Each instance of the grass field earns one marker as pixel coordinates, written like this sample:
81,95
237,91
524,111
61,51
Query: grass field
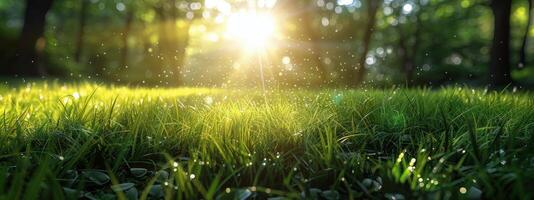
101,142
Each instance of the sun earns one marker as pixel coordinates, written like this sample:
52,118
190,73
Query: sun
252,29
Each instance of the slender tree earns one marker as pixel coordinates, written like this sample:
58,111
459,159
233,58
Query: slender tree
499,71
408,50
523,50
125,35
81,29
313,39
372,9
178,40
303,40
31,43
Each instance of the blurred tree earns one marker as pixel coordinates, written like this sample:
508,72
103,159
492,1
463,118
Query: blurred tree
125,35
303,38
313,40
409,40
523,50
175,19
500,50
372,8
31,43
81,32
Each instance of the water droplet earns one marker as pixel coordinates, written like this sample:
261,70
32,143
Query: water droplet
76,95
208,100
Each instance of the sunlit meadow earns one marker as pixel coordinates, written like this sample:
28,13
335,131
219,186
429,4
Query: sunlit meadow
100,142
266,99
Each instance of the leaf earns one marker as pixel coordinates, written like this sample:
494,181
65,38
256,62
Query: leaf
237,194
132,194
96,177
330,194
89,196
99,196
162,176
313,193
277,198
138,172
379,180
156,192
474,193
372,185
122,187
70,177
72,193
367,182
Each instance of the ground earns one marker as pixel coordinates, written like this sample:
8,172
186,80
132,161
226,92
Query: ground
96,141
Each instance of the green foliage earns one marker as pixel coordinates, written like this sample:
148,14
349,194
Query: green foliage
163,43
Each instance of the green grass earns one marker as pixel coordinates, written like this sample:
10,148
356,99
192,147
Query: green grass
67,141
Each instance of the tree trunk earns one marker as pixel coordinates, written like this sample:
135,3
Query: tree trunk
183,42
313,39
81,31
405,58
500,50
523,51
372,8
31,41
304,45
179,40
125,35
409,55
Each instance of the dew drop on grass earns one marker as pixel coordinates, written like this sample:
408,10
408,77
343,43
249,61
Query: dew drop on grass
412,161
192,176
463,190
76,95
208,100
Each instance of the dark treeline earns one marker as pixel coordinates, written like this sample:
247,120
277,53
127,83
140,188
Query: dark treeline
317,42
